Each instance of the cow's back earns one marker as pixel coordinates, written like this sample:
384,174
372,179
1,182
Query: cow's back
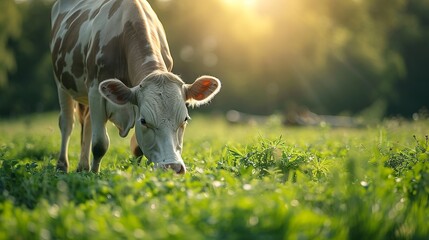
89,42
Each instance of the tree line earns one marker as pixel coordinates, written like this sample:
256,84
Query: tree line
330,56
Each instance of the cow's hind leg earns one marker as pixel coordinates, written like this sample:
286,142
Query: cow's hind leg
66,121
85,137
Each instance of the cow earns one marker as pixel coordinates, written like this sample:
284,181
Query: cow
112,62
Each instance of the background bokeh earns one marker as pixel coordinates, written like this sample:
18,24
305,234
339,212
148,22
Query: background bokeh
329,56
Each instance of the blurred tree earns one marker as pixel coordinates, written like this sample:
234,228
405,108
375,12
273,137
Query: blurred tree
9,29
411,40
329,55
31,88
333,55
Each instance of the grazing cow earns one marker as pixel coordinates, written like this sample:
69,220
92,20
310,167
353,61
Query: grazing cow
112,62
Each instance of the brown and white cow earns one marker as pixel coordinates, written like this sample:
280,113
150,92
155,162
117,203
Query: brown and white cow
112,62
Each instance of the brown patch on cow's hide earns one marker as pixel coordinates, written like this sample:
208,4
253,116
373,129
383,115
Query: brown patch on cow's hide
114,60
85,49
71,19
96,11
56,25
56,47
55,56
68,81
73,24
92,58
77,67
115,7
61,64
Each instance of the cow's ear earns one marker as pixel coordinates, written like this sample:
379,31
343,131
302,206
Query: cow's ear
116,92
202,90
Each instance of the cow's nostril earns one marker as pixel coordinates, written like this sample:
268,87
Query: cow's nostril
177,167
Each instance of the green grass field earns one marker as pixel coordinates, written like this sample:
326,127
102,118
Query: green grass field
243,182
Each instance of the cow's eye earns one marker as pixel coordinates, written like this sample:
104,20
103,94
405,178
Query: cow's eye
143,121
187,119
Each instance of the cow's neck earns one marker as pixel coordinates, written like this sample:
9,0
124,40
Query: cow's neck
143,59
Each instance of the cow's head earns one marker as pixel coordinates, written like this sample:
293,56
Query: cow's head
160,123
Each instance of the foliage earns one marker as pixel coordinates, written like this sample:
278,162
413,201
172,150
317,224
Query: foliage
31,87
330,56
9,29
244,182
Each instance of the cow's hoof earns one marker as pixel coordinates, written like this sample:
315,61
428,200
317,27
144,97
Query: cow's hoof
62,168
82,169
95,170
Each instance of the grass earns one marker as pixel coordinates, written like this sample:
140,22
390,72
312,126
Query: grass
244,182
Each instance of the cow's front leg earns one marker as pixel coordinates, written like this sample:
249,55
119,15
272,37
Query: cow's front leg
100,139
66,121
135,149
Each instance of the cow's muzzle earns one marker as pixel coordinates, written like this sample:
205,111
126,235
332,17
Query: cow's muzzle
179,168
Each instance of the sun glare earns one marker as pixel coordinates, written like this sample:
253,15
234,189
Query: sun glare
242,3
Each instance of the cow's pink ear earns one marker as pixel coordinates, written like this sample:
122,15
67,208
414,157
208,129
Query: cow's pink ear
116,92
202,90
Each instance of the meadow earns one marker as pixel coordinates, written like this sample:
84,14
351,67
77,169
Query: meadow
243,182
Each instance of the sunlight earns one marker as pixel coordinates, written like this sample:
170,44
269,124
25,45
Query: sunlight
249,4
